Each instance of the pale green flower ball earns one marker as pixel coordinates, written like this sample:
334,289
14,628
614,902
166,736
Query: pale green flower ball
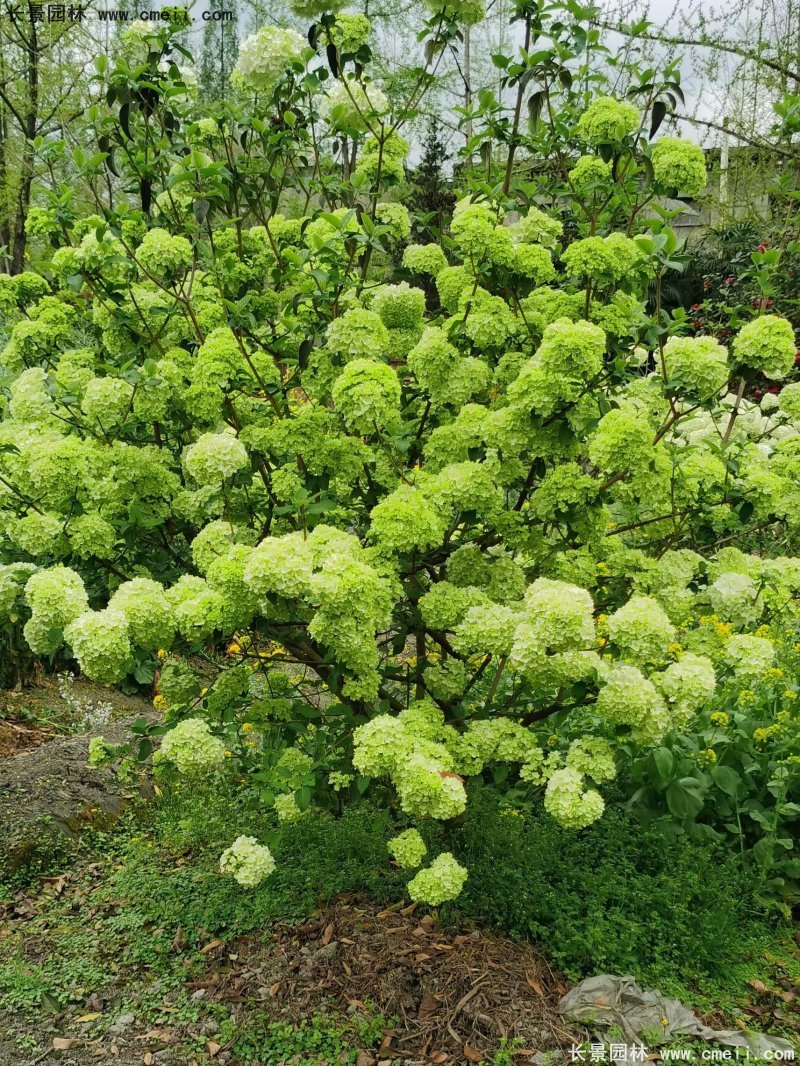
396,218
734,597
697,367
608,121
766,344
249,862
569,803
467,12
749,656
593,757
351,32
310,9
537,227
145,605
789,400
214,458
353,107
192,748
379,745
37,534
629,698
357,334
424,259
641,630
534,263
280,566
56,597
13,577
264,56
107,400
679,165
286,808
91,536
404,520
164,257
100,642
687,686
426,788
590,175
408,849
399,306
367,396
443,880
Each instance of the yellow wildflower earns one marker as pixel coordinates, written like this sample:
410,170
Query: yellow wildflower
721,718
160,702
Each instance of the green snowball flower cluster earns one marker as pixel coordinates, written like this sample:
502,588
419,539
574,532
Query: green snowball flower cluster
629,698
593,757
286,808
164,257
679,165
350,32
357,334
749,656
440,882
590,174
192,748
408,849
696,366
396,219
367,395
106,401
399,306
641,630
249,862
766,344
734,597
382,159
424,259
608,121
607,260
56,597
100,643
687,686
214,458
537,227
147,611
572,805
351,107
467,12
264,56
405,521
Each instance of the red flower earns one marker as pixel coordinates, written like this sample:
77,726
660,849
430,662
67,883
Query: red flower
697,325
758,394
706,285
763,246
730,280
696,307
774,390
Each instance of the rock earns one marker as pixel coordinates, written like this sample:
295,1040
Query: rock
121,1023
199,994
48,795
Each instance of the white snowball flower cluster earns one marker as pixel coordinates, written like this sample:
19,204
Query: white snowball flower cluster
734,597
249,862
264,56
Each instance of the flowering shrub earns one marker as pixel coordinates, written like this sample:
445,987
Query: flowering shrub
418,530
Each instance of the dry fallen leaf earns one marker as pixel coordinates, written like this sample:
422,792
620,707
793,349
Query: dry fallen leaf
62,1043
212,946
213,1048
327,936
148,1058
536,985
428,1007
758,986
90,1017
439,1056
472,1054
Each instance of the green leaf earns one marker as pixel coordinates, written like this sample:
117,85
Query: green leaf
664,763
684,799
727,780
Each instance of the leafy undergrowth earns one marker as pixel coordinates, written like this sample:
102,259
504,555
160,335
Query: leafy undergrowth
147,926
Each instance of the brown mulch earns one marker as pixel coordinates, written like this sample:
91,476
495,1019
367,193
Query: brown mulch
453,996
16,737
